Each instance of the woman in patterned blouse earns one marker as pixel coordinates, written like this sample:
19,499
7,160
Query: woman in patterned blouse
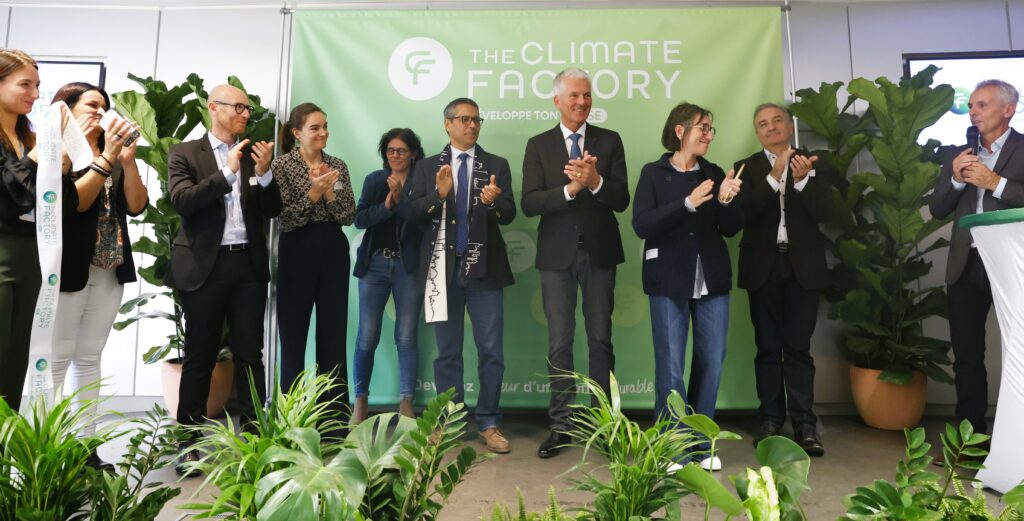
313,254
386,265
96,260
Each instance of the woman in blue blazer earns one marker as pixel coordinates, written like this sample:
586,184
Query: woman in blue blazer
386,265
682,210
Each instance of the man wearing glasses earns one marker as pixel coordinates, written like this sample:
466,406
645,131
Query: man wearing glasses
782,267
224,194
574,178
459,198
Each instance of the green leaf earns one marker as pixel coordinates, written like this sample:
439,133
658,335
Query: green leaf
704,485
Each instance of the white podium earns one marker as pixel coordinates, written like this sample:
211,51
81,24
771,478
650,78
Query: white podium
999,237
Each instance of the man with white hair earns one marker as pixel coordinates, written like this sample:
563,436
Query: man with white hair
574,178
989,177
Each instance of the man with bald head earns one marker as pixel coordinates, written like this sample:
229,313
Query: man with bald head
225,193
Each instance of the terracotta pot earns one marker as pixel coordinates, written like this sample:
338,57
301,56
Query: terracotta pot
885,405
221,383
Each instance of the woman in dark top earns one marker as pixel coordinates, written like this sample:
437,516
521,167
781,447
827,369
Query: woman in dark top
19,257
97,252
313,253
386,265
681,209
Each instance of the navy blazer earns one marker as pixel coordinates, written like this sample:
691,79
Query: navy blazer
371,214
421,206
674,236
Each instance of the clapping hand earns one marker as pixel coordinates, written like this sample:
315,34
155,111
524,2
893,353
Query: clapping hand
729,188
394,191
801,166
490,193
702,193
443,180
322,180
583,171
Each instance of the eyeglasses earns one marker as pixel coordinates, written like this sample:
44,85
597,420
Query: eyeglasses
399,152
704,129
239,107
466,120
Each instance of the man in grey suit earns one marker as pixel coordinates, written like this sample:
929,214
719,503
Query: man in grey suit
574,178
988,178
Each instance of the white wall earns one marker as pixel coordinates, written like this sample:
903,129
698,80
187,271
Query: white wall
831,42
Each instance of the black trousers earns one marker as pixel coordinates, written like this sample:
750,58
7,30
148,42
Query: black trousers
313,270
970,299
784,315
558,290
233,293
19,288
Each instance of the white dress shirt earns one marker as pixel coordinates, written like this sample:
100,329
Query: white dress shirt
234,220
780,186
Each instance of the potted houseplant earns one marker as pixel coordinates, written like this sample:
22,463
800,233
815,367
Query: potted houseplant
880,238
166,116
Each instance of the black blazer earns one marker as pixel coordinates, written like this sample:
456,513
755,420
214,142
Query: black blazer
197,189
805,211
677,235
947,199
422,207
588,214
371,213
80,239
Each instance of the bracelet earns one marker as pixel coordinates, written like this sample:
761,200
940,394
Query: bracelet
99,170
109,162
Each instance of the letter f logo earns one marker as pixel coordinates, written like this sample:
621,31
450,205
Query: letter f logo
417,62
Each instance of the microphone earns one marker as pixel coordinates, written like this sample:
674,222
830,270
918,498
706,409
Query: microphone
974,139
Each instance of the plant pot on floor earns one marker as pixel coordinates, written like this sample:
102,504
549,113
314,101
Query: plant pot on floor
222,381
885,405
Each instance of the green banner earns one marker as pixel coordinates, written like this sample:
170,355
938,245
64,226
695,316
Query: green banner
374,70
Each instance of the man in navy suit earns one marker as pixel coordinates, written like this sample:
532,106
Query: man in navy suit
464,264
219,260
574,178
976,181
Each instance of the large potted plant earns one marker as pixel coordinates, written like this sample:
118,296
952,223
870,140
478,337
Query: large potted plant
165,118
880,239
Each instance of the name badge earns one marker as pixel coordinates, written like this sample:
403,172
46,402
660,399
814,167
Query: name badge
252,181
651,254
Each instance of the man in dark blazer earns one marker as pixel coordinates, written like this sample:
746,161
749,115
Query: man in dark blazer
464,264
988,178
574,178
782,267
224,195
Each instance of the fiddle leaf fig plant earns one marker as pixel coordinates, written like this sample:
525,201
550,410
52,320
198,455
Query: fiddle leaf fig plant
880,236
167,116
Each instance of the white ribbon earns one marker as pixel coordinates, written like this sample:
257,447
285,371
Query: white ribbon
435,295
49,238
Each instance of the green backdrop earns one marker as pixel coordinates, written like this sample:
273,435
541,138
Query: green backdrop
374,70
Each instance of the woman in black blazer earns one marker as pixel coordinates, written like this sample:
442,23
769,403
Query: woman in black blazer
97,253
386,265
682,210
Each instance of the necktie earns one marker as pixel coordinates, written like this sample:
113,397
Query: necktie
574,150
462,206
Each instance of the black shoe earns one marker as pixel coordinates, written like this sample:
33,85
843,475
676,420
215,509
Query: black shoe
553,445
807,437
766,430
187,460
95,462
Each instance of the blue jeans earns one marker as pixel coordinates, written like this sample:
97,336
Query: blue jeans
670,320
385,277
486,308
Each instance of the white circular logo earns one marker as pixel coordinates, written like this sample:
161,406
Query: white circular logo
420,68
521,250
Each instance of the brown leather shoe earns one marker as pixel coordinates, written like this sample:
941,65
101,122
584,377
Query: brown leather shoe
405,408
495,441
360,411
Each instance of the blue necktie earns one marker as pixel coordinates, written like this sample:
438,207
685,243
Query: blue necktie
574,150
462,206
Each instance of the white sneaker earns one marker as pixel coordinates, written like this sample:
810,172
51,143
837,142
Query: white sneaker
674,467
712,463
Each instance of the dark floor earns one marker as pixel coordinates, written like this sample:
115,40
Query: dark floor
855,455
